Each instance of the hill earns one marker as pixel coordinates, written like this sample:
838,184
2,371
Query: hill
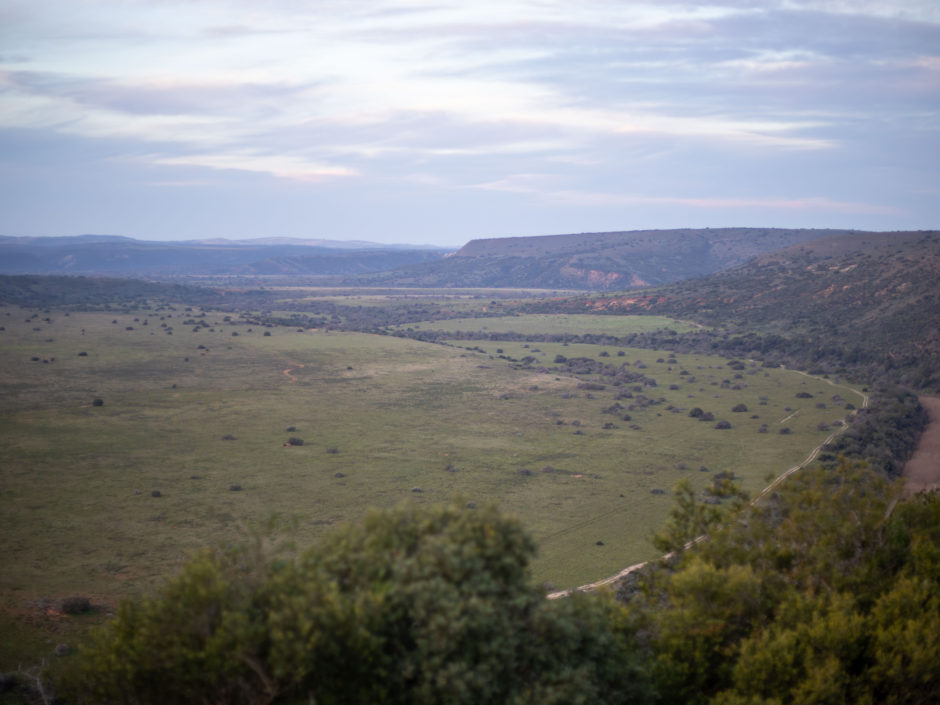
597,261
119,256
863,299
591,261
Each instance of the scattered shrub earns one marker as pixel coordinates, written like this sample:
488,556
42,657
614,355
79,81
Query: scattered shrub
593,386
76,605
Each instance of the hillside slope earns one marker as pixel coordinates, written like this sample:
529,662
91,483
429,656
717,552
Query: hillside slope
597,261
870,297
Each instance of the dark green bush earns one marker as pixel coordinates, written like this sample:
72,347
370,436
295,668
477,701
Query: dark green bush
76,605
410,607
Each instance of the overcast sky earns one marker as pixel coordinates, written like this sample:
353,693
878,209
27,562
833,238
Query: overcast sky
438,121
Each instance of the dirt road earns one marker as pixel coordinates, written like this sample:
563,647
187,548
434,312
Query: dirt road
922,471
865,401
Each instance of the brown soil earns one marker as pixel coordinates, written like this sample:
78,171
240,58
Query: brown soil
289,371
922,471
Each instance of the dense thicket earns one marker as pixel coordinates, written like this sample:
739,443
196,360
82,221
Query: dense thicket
885,435
94,293
828,591
409,607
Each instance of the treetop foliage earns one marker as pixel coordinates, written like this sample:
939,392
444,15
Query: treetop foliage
409,606
824,592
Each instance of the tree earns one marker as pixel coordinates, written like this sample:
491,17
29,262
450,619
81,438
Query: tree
410,606
826,591
691,519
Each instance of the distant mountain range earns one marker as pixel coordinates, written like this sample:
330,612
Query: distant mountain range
118,256
613,261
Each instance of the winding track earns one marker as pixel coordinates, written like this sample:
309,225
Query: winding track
866,400
289,371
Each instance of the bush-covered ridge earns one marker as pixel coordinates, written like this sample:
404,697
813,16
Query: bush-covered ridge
869,306
597,261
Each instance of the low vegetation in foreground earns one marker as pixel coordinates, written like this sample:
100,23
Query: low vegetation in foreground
827,591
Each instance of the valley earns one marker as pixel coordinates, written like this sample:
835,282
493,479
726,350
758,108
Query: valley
143,422
191,444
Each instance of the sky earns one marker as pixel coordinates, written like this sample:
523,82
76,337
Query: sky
437,122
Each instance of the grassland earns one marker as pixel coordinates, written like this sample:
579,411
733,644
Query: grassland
573,324
384,420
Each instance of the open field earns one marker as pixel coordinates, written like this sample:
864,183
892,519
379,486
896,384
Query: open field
573,324
384,420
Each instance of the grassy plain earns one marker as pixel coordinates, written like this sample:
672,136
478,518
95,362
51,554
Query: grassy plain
574,324
384,420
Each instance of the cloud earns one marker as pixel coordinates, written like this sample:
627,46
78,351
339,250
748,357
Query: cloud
645,96
278,165
539,185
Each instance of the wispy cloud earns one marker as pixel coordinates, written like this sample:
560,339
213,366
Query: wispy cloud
286,167
543,188
581,95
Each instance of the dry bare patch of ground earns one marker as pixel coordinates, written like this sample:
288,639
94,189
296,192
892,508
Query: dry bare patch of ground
922,472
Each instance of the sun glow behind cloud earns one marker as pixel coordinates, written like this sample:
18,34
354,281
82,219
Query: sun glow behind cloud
444,97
